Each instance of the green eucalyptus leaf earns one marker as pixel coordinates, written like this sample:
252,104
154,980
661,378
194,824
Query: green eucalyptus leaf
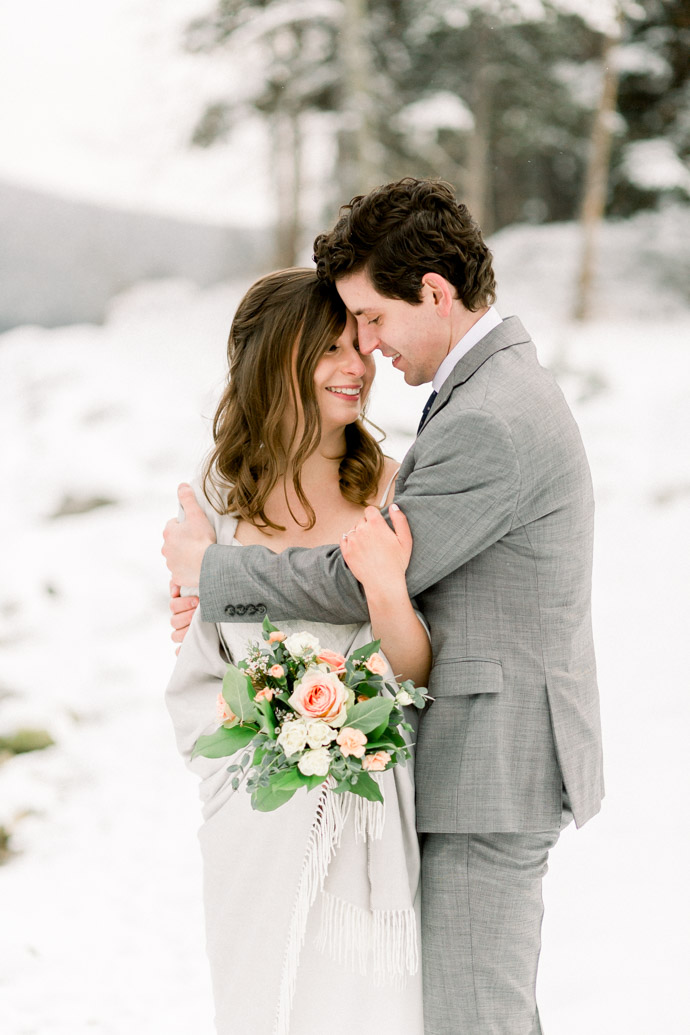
239,694
366,787
268,627
224,741
367,688
265,709
289,779
368,715
382,744
364,652
266,799
378,733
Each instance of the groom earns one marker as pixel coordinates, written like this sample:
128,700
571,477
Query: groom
497,491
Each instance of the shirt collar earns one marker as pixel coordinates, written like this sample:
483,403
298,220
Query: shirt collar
476,332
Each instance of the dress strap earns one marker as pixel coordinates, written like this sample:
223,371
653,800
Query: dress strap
388,488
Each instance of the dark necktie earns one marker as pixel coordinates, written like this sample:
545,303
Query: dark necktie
425,411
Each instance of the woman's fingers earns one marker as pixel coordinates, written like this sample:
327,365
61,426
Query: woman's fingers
401,527
179,604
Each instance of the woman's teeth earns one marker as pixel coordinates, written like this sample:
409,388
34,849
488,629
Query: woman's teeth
345,391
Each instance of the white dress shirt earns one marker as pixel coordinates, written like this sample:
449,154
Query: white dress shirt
476,332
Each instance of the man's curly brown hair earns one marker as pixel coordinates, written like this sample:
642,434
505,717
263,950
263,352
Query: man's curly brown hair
399,232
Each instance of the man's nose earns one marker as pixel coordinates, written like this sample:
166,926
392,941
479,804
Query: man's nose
368,339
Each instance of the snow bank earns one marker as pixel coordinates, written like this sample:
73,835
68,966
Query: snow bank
101,921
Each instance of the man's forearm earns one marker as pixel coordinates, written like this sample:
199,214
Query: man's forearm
242,583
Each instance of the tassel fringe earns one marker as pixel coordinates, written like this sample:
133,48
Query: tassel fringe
382,943
332,811
370,817
348,934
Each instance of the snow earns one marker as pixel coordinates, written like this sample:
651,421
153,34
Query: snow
101,919
440,110
654,165
640,59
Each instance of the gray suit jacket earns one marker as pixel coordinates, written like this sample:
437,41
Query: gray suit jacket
498,494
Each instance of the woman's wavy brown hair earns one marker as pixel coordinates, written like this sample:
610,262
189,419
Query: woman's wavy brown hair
399,232
281,329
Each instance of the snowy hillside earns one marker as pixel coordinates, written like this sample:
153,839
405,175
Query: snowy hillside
101,926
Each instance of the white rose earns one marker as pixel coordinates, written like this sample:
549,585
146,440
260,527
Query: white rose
293,737
315,762
302,643
403,697
319,733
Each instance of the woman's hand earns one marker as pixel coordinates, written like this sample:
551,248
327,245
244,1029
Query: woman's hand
377,556
373,551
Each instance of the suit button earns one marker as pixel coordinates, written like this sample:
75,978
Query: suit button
240,609
229,610
261,609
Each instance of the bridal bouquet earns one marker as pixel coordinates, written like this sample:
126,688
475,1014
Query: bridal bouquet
305,714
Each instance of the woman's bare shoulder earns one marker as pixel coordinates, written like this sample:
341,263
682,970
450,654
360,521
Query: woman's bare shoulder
387,481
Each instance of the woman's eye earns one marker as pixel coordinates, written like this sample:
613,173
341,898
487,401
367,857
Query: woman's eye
376,320
332,348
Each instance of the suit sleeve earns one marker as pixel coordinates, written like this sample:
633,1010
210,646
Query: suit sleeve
315,585
460,497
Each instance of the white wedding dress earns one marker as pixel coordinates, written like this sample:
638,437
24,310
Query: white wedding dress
312,917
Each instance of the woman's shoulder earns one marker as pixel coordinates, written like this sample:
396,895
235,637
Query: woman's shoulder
213,506
386,486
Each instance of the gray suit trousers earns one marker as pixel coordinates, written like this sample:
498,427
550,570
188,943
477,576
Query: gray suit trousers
481,931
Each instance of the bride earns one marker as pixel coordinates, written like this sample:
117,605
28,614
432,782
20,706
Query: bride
311,910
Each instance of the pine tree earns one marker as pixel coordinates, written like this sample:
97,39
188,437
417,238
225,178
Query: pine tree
652,160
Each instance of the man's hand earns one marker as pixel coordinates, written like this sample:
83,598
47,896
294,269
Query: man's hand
182,609
185,542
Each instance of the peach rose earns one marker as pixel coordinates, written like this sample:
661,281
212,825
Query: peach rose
376,664
277,637
351,742
265,694
377,762
336,662
223,711
276,671
320,695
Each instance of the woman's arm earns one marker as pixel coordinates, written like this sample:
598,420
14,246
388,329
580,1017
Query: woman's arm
378,557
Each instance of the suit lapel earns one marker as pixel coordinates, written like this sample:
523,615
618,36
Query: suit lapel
510,332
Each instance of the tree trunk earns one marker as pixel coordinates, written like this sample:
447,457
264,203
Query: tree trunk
287,171
597,176
478,183
359,151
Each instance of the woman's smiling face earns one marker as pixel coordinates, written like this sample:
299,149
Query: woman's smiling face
343,378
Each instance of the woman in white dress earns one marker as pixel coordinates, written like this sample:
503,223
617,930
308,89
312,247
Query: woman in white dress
311,915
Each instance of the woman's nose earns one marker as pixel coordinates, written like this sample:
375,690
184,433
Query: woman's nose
354,363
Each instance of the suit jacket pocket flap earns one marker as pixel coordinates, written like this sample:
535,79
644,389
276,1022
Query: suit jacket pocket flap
461,676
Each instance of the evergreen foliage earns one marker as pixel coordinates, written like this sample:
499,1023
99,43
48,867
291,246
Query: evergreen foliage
498,96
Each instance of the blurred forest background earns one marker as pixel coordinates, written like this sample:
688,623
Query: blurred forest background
269,114
159,155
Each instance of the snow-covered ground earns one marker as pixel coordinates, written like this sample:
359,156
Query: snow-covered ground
100,918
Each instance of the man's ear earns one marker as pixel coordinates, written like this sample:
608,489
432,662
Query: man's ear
442,292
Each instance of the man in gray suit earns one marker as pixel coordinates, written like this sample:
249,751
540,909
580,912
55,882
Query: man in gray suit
497,492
